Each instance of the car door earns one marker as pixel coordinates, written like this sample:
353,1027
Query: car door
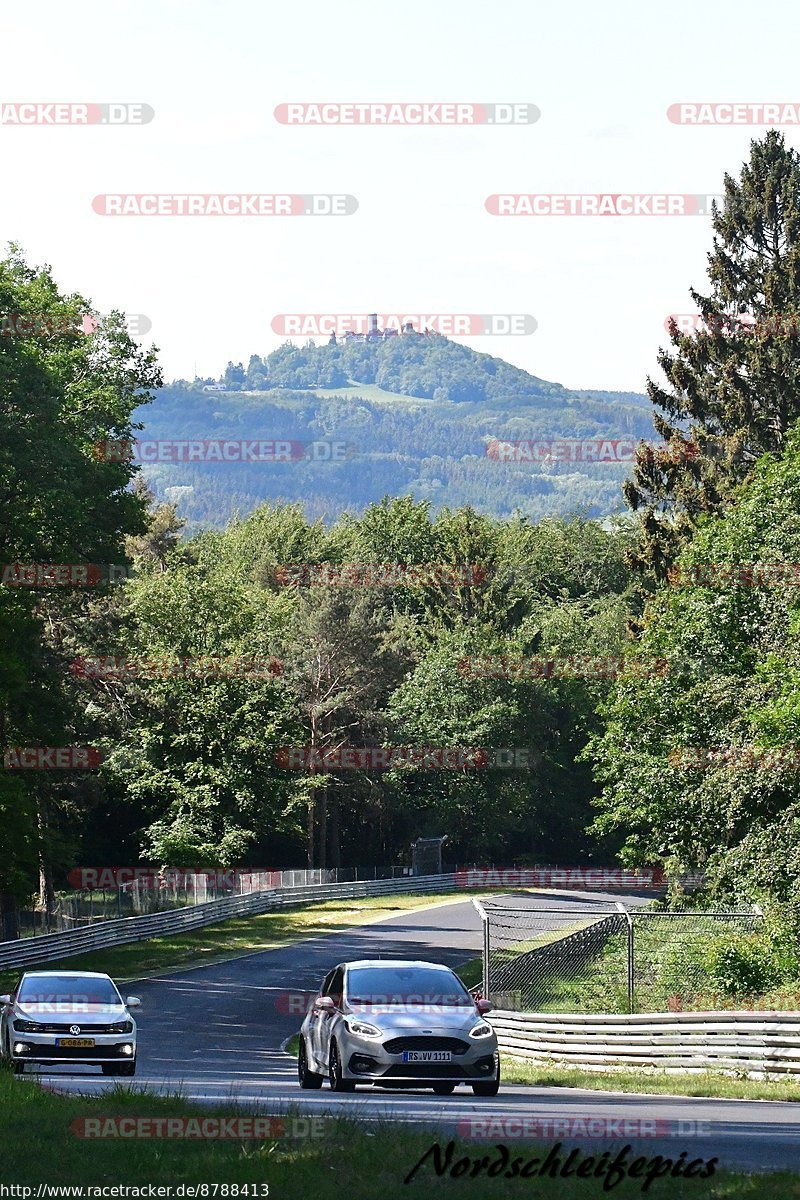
325,1021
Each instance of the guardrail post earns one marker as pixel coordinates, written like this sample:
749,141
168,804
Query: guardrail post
629,920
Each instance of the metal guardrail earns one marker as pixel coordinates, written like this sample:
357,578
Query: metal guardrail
27,952
757,1043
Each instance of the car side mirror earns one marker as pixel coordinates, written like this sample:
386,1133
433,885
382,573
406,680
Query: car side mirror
483,1007
5,1000
133,1002
324,1004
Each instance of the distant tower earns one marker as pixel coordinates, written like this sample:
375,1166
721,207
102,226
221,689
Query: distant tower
373,326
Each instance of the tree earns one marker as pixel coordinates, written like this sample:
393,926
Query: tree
732,390
64,393
730,639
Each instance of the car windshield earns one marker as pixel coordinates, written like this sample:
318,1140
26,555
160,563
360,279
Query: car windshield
58,993
412,986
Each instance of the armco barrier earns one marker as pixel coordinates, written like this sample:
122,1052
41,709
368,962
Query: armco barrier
756,1043
50,947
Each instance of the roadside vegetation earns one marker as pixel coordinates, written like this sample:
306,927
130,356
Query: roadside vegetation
40,1146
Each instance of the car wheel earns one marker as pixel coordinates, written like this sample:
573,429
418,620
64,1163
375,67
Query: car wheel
118,1068
443,1089
488,1087
306,1077
338,1084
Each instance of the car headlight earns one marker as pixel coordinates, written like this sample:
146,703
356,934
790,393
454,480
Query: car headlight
27,1026
121,1027
362,1029
480,1030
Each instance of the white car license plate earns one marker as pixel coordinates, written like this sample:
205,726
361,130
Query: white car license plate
76,1043
427,1056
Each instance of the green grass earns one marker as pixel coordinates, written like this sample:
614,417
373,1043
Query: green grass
371,391
711,1084
237,936
40,1147
471,973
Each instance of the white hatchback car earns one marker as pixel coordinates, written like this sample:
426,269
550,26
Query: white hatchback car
398,1024
68,1017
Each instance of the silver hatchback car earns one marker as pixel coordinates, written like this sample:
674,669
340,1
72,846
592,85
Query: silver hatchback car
397,1024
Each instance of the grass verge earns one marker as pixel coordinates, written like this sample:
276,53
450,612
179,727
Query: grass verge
710,1084
40,1146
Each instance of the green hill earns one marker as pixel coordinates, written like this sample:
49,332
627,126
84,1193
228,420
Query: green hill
416,413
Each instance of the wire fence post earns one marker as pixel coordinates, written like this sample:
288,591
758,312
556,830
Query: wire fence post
486,948
629,922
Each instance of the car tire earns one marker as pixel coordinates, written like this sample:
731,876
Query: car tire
337,1082
306,1077
488,1087
444,1089
127,1069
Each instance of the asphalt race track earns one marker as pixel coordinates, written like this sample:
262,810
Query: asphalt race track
215,1032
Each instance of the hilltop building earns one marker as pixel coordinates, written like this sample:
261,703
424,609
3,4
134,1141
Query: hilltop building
373,333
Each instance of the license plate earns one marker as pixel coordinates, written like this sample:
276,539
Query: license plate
427,1056
75,1043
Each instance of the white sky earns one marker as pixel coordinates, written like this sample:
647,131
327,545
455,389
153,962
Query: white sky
603,76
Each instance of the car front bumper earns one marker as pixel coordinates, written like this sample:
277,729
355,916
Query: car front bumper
42,1048
375,1065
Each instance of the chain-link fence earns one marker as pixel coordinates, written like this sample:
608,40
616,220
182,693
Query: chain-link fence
159,890
600,957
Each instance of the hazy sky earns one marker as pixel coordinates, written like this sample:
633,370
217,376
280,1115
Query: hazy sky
603,76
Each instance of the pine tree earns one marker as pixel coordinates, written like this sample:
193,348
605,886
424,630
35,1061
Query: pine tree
733,389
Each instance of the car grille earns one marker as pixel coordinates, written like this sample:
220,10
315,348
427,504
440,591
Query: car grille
425,1071
400,1044
85,1030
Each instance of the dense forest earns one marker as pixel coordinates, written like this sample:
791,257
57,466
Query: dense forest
407,424
693,766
